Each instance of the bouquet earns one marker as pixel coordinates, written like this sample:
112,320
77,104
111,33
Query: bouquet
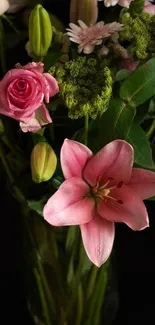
77,143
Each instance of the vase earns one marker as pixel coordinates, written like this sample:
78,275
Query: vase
63,286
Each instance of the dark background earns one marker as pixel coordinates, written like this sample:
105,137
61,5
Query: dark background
135,252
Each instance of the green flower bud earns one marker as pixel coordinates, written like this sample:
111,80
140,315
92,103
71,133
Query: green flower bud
43,162
40,31
1,127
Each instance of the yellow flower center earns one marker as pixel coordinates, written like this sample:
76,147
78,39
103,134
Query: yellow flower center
102,191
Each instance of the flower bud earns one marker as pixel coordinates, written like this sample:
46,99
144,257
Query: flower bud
40,31
43,162
85,10
1,127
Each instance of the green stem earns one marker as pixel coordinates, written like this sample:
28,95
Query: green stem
92,280
2,52
42,298
49,297
86,129
20,197
45,283
102,285
10,23
151,129
79,306
75,284
6,164
93,313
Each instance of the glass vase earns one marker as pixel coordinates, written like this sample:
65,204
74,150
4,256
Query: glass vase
63,286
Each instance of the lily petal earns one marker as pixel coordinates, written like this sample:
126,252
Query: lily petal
114,160
98,238
69,205
142,182
74,156
132,211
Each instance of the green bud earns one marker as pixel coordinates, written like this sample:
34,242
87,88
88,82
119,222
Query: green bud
43,162
1,127
40,31
56,23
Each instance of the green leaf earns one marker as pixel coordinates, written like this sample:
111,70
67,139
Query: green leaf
141,145
142,112
151,198
50,59
140,86
115,122
56,181
121,75
37,206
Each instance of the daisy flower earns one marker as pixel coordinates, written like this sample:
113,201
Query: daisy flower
89,37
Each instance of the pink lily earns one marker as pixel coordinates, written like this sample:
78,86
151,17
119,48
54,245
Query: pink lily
98,191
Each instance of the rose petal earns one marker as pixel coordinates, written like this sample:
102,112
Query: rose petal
69,206
74,156
114,160
132,211
34,67
142,182
98,238
42,117
31,103
53,87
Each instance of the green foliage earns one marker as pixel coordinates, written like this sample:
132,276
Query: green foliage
116,122
136,7
85,86
141,145
139,31
140,86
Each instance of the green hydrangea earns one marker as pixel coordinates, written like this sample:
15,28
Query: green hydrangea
85,86
140,32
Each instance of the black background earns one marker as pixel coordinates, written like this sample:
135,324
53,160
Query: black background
135,253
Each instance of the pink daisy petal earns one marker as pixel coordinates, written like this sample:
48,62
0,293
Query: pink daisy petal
82,24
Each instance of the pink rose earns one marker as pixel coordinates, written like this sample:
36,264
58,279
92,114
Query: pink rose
22,91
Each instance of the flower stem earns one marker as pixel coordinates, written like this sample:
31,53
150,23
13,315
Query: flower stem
101,288
2,52
75,285
42,297
86,129
5,164
10,23
20,197
49,297
93,276
151,129
95,304
79,306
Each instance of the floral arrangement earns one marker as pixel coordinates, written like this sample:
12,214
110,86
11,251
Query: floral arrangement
77,143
